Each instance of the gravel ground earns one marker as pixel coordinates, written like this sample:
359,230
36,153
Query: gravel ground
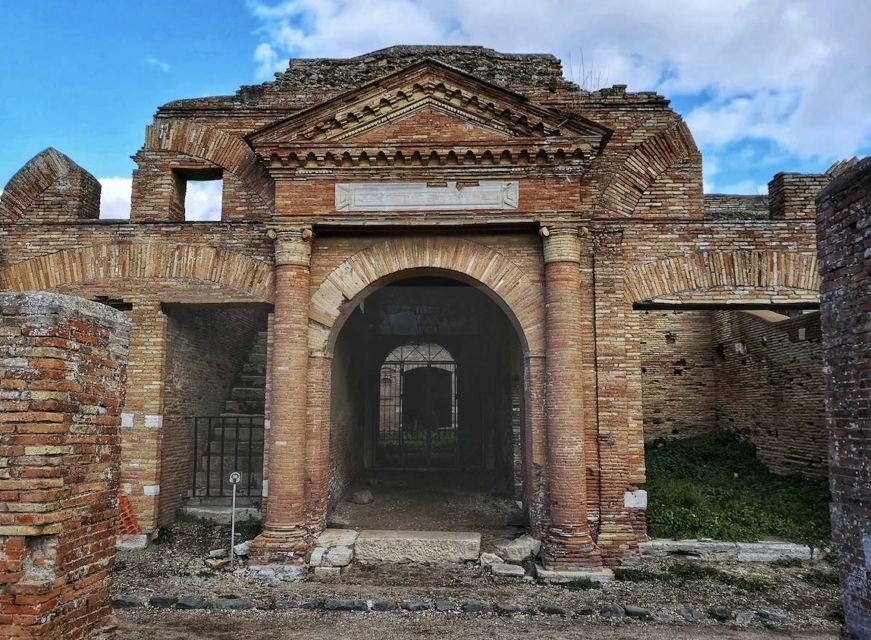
175,568
260,625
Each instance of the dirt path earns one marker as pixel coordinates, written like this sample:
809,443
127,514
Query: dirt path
292,625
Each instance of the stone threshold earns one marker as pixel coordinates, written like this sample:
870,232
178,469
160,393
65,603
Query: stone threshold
719,551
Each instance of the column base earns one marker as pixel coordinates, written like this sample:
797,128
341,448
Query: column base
281,543
565,551
557,576
618,543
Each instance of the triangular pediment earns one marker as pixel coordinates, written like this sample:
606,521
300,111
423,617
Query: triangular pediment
427,110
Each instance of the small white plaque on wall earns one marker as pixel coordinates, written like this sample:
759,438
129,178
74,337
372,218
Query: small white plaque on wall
419,196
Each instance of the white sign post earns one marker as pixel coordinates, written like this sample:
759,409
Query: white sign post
235,479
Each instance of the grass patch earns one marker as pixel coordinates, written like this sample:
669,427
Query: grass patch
713,486
583,584
683,573
627,574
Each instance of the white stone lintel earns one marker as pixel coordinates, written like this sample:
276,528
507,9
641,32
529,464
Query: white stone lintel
420,196
635,499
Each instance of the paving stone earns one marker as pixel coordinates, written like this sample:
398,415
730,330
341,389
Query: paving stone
340,604
162,602
419,547
414,606
338,557
692,615
554,610
720,613
328,572
508,609
771,616
444,606
127,602
745,617
385,605
637,612
613,610
233,604
662,616
315,603
487,559
188,602
283,605
476,606
585,611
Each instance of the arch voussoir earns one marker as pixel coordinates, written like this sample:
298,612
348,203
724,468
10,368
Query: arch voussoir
504,281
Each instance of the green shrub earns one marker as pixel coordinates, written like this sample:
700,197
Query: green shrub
627,574
713,486
820,578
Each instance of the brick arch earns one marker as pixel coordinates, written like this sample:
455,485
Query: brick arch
357,276
219,147
229,269
33,179
645,165
727,271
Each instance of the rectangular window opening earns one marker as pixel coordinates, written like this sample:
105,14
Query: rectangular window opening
201,190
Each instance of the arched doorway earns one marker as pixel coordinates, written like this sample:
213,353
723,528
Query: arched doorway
427,407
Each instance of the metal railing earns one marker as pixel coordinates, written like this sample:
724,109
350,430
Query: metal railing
223,444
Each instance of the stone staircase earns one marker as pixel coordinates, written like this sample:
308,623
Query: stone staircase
231,444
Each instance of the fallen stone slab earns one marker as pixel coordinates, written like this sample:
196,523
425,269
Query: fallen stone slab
519,549
553,576
328,572
338,557
613,610
487,559
504,570
422,547
773,551
336,538
127,602
713,550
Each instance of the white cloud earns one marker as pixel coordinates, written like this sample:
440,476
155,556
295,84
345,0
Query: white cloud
203,200
115,197
160,64
793,72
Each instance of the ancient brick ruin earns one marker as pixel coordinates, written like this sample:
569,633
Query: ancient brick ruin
845,248
541,236
62,384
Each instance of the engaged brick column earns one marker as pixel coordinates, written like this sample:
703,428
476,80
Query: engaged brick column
62,373
284,523
568,545
844,243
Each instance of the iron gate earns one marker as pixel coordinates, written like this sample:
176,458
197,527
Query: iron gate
417,417
223,444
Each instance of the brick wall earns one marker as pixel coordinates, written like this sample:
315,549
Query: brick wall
756,373
206,347
63,375
770,387
844,237
678,377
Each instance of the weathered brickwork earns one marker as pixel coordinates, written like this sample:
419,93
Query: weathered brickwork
844,219
615,171
62,384
770,387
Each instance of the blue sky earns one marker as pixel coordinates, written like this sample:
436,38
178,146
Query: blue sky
765,85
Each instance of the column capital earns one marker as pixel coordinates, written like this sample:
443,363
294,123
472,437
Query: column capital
292,243
561,244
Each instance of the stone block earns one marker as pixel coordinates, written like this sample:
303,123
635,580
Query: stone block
424,547
336,538
555,576
505,570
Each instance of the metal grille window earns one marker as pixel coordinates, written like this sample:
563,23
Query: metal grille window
223,444
417,422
